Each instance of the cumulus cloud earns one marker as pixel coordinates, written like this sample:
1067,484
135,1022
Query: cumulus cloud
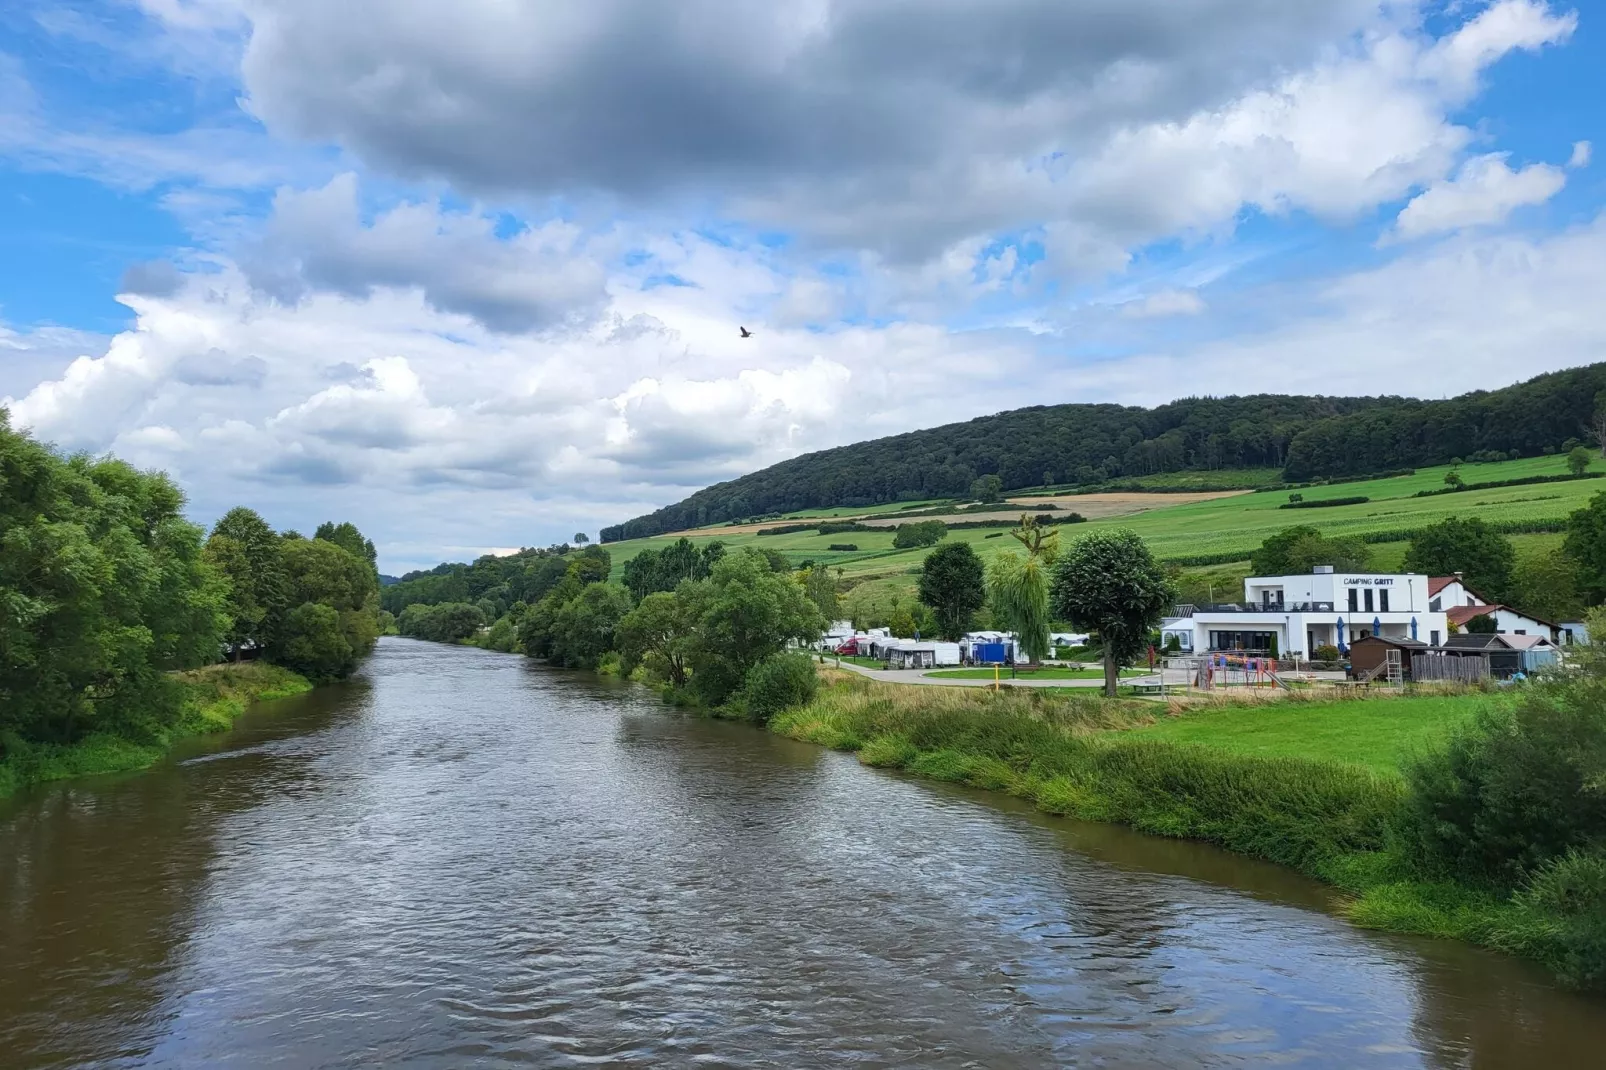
899,127
1485,190
316,240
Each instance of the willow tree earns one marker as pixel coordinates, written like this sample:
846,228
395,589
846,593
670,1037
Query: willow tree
1017,589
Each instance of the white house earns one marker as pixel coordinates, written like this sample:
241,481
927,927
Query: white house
1293,615
1573,632
1462,603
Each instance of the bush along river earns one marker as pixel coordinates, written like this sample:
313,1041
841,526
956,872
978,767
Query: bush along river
462,858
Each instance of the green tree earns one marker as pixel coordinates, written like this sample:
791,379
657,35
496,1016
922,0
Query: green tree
103,585
586,625
1482,555
348,538
591,565
952,583
1110,584
580,538
1453,478
745,613
1586,545
1017,592
1578,461
779,682
314,643
250,555
820,586
1546,585
660,633
919,533
987,489
902,624
1297,550
1482,624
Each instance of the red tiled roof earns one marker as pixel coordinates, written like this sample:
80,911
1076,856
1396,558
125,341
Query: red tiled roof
1459,615
1438,583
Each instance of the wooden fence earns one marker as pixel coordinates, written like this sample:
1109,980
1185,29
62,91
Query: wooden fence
1441,667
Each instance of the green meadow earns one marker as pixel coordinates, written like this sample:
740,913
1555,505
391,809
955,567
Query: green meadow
880,577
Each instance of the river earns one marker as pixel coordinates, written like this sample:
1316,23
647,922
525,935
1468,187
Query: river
465,859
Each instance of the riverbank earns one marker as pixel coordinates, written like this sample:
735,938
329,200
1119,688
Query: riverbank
211,699
1327,818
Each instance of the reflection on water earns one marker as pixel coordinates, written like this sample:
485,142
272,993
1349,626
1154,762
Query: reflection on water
468,859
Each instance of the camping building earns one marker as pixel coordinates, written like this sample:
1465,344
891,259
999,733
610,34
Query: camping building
1292,616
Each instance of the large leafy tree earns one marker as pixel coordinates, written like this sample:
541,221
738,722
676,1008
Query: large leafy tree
1546,585
952,583
250,555
661,633
1297,550
1586,545
1109,583
745,612
320,572
102,587
1482,555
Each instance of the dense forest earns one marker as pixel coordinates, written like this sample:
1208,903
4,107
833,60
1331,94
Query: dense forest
106,590
1309,437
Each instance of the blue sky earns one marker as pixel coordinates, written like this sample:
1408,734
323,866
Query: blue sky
470,274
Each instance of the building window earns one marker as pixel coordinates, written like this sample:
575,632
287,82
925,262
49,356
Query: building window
1383,600
1354,596
1435,636
1369,606
1522,631
1433,606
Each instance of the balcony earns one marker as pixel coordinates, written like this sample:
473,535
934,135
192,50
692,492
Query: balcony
1192,609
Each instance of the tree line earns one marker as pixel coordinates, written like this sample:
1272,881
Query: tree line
105,589
1307,437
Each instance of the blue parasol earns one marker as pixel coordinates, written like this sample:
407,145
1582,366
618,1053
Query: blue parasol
1377,625
1413,628
1341,648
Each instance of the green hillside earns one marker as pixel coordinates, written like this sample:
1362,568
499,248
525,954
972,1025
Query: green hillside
1226,529
1209,439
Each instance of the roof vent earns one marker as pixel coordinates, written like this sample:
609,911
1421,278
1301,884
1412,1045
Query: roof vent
1323,570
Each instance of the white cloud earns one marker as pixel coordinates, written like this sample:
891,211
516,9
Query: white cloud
436,435
1485,190
1165,303
1580,156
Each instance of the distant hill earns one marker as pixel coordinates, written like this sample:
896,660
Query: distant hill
388,581
1309,437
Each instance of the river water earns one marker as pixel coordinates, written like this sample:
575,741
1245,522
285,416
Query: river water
465,859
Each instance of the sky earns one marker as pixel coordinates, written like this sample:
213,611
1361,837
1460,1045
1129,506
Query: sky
470,274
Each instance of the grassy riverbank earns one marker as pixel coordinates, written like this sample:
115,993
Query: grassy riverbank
211,699
1326,813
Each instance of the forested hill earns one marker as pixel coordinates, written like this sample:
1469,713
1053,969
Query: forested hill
1311,437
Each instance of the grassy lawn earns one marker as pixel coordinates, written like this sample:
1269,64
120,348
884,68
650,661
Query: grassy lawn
1375,732
1052,672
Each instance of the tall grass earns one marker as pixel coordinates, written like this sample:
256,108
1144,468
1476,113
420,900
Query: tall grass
1330,819
212,698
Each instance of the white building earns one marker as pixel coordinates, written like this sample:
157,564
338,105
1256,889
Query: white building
1293,615
1573,632
1461,604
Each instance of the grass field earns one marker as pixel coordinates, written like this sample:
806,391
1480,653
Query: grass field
1374,732
878,579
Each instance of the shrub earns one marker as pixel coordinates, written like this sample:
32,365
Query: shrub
843,547
1571,893
1325,652
1513,790
777,683
1326,503
919,533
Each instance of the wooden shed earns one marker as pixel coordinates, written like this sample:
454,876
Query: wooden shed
1366,655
